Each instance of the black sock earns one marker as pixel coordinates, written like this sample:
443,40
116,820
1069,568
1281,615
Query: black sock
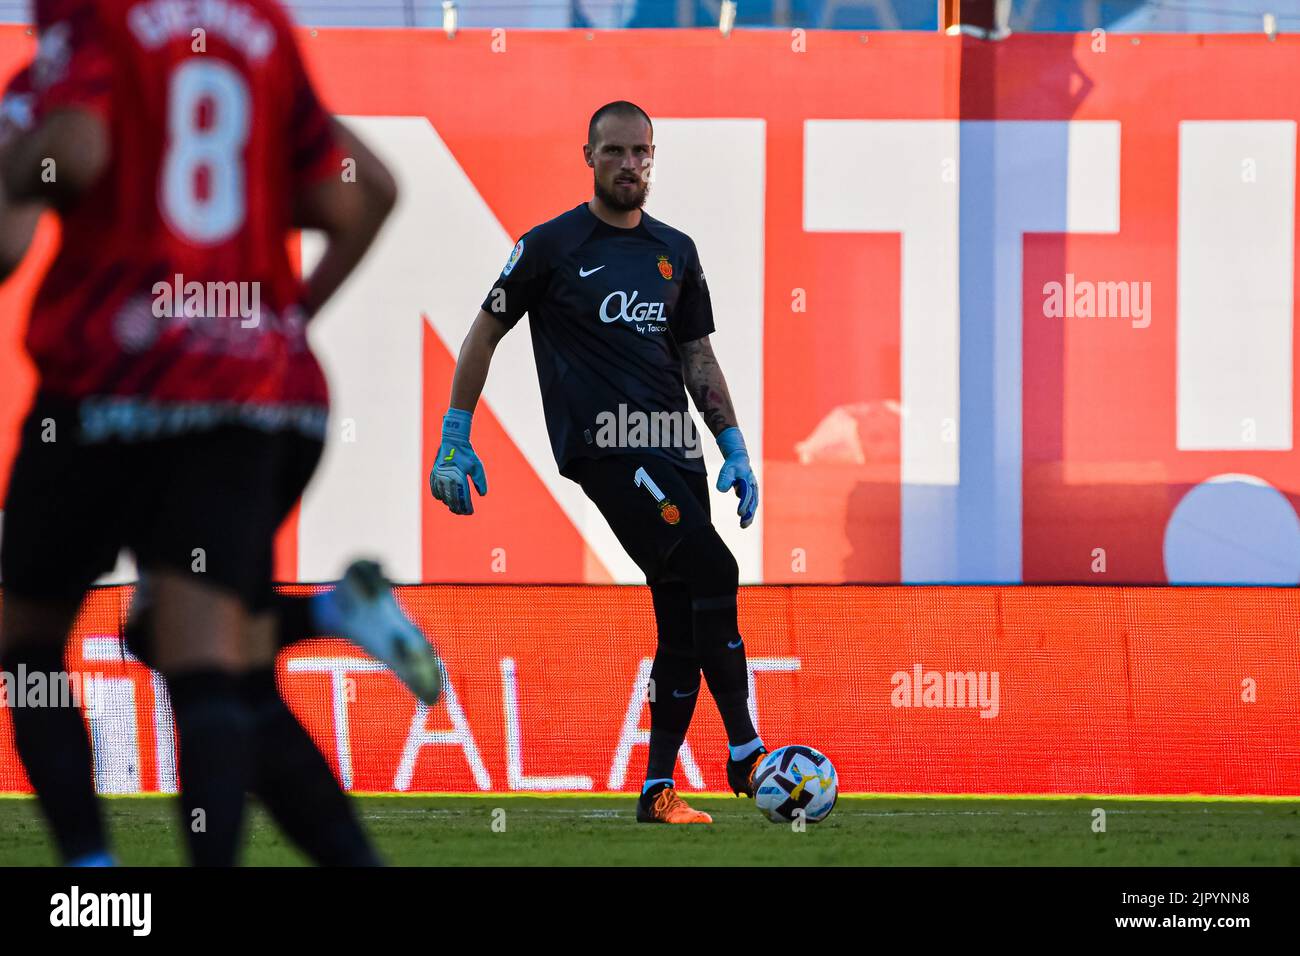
55,752
295,783
215,739
675,679
722,658
294,619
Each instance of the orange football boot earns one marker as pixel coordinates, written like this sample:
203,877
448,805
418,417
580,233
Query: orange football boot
669,807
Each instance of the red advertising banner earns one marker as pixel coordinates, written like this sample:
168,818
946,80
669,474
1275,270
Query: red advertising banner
908,690
992,312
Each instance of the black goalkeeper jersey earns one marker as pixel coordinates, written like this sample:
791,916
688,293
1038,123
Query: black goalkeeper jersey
609,309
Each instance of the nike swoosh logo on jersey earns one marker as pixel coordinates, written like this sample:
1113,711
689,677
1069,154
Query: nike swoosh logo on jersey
678,693
583,273
735,644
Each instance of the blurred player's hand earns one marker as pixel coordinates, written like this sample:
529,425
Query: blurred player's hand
739,474
457,465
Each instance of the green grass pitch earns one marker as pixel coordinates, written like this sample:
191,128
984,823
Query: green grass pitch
862,831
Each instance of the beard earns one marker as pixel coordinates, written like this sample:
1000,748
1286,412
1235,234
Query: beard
625,202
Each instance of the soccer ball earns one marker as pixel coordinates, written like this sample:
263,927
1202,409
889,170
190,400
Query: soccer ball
795,778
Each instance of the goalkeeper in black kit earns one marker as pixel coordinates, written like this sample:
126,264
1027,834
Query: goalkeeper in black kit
620,319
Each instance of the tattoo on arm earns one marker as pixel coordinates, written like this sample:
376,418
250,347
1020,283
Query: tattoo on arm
707,385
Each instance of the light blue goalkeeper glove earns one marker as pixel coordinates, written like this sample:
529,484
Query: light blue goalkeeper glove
739,474
457,464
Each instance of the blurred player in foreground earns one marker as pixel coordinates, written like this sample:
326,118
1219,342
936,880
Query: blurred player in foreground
620,319
179,145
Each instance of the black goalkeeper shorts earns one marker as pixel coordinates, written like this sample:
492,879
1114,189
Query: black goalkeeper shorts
650,503
205,503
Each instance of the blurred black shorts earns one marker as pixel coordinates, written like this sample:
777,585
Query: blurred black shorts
203,503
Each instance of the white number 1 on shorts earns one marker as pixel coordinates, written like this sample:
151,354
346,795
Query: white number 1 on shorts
643,480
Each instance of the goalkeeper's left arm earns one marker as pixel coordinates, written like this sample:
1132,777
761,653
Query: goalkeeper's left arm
708,388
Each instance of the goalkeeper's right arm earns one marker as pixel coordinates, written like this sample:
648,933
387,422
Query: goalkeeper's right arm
457,463
474,359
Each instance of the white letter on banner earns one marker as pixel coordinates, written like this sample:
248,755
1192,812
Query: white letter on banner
421,269
460,736
515,742
1236,253
962,315
338,668
114,731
